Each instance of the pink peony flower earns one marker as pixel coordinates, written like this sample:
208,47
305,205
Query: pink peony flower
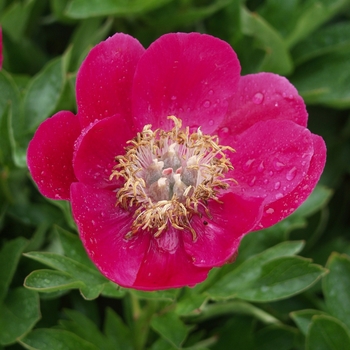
158,198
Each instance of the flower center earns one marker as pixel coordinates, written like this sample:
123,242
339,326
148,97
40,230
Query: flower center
170,176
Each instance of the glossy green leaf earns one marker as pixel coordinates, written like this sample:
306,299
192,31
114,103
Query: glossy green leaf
327,333
327,40
10,254
18,314
325,80
117,332
48,281
95,8
5,142
170,327
268,276
169,294
43,94
277,58
303,318
189,302
90,276
336,287
58,339
111,290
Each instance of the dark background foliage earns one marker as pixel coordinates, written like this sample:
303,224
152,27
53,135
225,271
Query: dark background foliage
289,287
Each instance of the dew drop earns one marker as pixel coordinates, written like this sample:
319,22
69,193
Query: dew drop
278,165
206,104
211,122
277,185
279,196
270,211
173,98
42,173
252,181
223,131
210,92
261,167
270,173
276,104
248,164
266,181
291,174
93,222
258,98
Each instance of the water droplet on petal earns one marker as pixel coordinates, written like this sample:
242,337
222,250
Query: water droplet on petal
211,92
276,104
266,181
258,98
270,173
278,165
206,104
211,122
277,185
173,98
270,211
223,131
261,167
248,164
291,174
252,181
279,196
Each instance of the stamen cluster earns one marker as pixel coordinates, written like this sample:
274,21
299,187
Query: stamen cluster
170,176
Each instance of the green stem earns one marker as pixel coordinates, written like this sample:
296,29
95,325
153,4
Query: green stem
234,307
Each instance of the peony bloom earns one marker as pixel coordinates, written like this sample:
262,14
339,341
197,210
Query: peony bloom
173,157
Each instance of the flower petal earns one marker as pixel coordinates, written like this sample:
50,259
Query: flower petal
50,155
190,76
166,264
96,149
102,228
218,238
104,79
271,159
260,97
278,210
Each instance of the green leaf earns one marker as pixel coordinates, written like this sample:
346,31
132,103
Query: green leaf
43,94
303,318
327,333
48,281
270,275
313,13
189,302
18,314
324,41
277,58
14,19
169,294
88,33
336,287
5,141
9,256
170,327
58,339
95,8
111,290
83,327
325,80
90,276
275,337
73,248
117,332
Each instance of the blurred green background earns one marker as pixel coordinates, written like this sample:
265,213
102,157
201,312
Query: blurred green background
52,297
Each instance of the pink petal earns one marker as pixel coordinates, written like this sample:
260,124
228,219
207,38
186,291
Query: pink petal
271,158
278,210
166,264
102,227
104,79
96,149
260,97
190,76
218,238
50,154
